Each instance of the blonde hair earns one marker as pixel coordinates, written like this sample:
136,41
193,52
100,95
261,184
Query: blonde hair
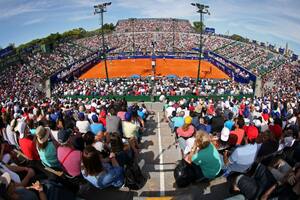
202,139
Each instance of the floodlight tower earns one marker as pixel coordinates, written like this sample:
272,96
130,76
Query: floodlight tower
173,28
100,9
133,33
202,10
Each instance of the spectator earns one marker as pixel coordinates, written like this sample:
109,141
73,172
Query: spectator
96,127
205,156
27,143
67,155
83,125
101,175
46,148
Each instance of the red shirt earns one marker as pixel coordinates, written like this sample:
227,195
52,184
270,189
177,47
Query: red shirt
240,134
103,121
265,116
28,148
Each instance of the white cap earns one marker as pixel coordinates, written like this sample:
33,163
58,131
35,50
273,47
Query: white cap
247,121
99,146
257,123
225,134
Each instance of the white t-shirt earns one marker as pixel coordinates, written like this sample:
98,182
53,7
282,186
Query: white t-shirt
11,136
169,111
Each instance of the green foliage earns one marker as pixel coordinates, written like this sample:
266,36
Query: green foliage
239,38
55,38
198,26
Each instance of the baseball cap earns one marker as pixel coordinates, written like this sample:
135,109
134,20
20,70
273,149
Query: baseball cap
95,118
225,134
247,121
63,135
93,109
252,132
276,130
188,120
81,116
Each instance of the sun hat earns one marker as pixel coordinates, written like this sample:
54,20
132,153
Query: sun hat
42,134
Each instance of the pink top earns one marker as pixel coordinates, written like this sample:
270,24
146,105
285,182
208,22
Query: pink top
72,161
186,134
121,114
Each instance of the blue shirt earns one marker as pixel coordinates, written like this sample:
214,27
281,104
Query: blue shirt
178,121
229,124
208,128
96,128
141,114
112,176
242,158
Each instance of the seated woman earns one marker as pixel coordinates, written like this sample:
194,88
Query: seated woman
101,175
68,156
205,155
46,148
185,132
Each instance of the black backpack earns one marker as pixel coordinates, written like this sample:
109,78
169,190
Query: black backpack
134,179
184,174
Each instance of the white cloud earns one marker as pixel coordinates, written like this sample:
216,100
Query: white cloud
33,21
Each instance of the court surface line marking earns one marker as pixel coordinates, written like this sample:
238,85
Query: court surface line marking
161,161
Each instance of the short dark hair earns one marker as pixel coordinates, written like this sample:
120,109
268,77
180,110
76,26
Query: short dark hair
241,122
91,161
112,111
88,138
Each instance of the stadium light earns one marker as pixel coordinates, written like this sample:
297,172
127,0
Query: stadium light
100,9
202,10
133,32
173,28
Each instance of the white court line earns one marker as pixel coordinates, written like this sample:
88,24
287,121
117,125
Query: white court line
161,159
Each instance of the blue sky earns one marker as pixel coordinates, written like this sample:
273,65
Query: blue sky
273,21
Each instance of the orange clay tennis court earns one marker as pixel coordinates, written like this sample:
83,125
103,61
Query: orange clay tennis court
164,67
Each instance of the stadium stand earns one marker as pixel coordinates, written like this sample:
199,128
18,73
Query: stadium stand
89,148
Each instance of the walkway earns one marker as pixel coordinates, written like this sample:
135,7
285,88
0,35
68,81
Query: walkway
158,159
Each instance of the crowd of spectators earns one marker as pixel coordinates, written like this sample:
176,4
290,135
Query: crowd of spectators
65,144
146,87
284,82
26,78
252,57
154,25
254,143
